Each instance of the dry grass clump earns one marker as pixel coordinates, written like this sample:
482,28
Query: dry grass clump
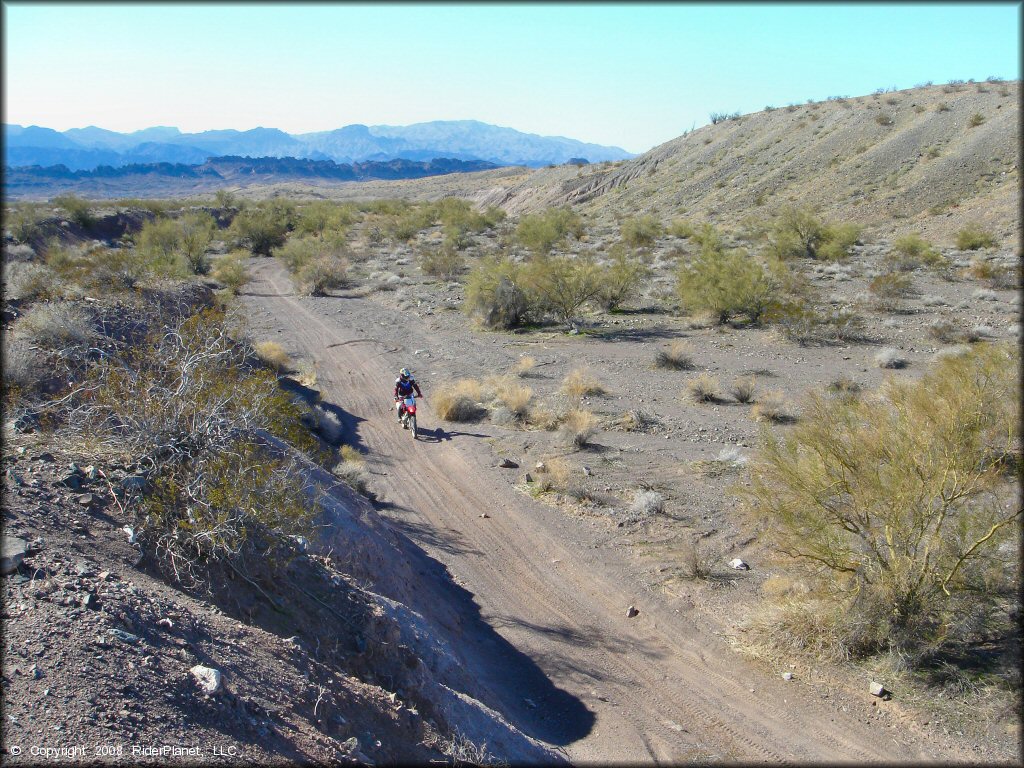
946,332
459,401
29,280
636,420
773,408
23,366
56,324
524,366
514,397
578,426
326,424
696,561
274,356
554,475
890,358
743,389
231,272
985,294
542,417
581,383
677,357
351,470
704,388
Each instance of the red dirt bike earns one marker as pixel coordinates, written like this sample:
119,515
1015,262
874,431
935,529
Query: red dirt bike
407,414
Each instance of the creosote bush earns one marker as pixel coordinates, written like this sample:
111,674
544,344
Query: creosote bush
540,232
973,237
896,509
730,283
640,231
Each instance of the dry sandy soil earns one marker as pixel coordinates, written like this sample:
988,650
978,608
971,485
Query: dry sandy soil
552,578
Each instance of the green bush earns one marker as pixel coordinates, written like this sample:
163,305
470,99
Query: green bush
261,230
77,209
897,508
197,230
640,231
730,283
540,232
973,237
316,265
837,241
890,285
561,285
496,294
445,262
159,246
795,232
912,251
682,228
231,271
620,280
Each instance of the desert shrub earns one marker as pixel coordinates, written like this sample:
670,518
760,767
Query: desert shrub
795,231
561,285
975,120
325,423
56,325
540,232
682,228
261,230
646,504
730,283
911,251
743,389
890,285
636,420
678,356
580,382
159,245
772,408
29,281
273,355
24,222
619,281
973,237
696,561
185,407
23,365
445,262
20,252
805,325
458,401
353,474
323,217
837,240
640,231
197,230
496,294
524,366
984,294
321,274
946,332
78,210
883,118
231,271
890,358
554,474
704,388
908,558
514,397
578,427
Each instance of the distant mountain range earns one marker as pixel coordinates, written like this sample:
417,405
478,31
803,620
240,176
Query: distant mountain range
82,149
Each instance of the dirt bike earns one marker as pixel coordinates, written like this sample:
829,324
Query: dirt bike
407,414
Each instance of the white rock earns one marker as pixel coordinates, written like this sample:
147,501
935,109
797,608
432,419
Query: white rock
209,679
877,689
738,565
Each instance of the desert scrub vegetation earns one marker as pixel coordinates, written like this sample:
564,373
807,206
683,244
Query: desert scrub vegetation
317,265
704,388
640,231
898,511
580,383
677,356
231,272
261,229
445,262
459,401
731,283
772,408
798,232
540,232
496,293
209,432
578,426
974,237
77,209
911,251
176,247
619,280
273,355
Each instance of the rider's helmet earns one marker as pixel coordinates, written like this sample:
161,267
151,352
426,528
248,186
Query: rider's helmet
404,374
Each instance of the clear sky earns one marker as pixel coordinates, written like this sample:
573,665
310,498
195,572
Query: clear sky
633,76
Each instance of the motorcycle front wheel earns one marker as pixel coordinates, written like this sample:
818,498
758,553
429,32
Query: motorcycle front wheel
412,426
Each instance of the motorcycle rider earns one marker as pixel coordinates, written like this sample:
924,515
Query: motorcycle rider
405,384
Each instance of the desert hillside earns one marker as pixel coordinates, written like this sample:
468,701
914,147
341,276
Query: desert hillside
922,159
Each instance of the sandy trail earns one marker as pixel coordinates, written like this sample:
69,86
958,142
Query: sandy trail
656,688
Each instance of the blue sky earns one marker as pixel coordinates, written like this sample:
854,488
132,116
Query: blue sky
627,75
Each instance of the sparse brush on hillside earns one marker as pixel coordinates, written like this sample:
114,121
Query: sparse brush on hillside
620,280
540,232
445,262
973,237
78,210
262,229
640,231
185,407
317,265
912,251
561,285
231,271
937,568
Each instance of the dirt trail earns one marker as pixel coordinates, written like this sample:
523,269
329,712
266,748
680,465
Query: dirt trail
656,688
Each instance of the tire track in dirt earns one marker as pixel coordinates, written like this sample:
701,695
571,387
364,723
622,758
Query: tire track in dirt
662,689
